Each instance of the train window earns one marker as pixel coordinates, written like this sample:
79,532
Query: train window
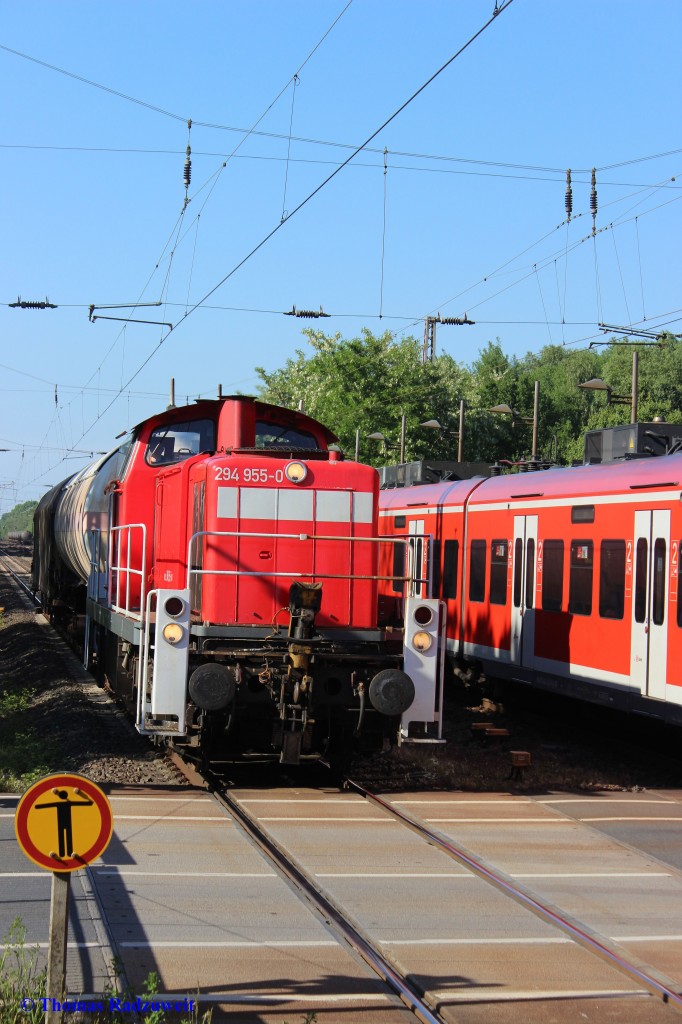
498,572
530,572
398,567
126,452
283,435
580,580
399,521
451,569
582,514
416,548
553,575
178,441
477,562
612,579
434,555
658,609
518,571
641,574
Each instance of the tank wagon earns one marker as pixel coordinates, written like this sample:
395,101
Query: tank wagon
223,563
20,536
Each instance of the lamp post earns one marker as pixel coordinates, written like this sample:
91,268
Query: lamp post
378,436
506,410
597,384
459,434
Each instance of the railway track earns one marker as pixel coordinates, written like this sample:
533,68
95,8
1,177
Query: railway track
277,830
184,893
446,945
18,567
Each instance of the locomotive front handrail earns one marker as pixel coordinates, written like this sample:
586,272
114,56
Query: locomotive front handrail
191,571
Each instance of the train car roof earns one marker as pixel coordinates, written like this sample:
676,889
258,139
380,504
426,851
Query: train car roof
582,482
449,492
575,482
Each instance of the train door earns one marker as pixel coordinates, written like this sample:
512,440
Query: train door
419,551
524,562
651,557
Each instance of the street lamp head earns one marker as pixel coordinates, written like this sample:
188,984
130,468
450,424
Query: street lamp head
595,384
432,424
376,436
505,410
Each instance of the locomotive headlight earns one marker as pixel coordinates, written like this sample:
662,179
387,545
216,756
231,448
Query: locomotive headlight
174,606
421,641
172,633
296,472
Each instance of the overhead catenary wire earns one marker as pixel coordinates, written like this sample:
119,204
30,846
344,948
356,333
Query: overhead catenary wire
641,277
294,83
556,173
383,237
341,166
538,277
178,225
503,7
622,219
411,318
323,142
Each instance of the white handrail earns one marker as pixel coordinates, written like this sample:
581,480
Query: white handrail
126,570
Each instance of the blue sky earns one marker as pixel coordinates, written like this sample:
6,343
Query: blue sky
468,217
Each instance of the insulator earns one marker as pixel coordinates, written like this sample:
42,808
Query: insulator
569,195
21,304
307,314
593,193
457,321
188,168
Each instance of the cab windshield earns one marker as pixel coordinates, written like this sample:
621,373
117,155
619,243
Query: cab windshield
283,435
178,441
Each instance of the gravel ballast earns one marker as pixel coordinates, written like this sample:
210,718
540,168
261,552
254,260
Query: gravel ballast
54,717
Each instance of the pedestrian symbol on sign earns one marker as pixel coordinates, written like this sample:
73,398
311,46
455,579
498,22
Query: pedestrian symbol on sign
63,807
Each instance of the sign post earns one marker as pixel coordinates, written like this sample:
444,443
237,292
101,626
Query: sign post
56,958
62,823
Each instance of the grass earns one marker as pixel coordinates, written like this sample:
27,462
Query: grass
20,979
24,752
23,992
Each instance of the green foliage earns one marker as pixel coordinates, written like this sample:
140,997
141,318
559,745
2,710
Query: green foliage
24,752
20,977
366,384
17,519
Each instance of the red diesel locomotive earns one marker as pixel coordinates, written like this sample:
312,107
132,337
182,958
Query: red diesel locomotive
564,579
225,560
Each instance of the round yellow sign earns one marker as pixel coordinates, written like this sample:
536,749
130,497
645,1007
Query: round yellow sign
63,822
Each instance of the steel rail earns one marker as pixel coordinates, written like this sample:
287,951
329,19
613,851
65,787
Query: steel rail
17,579
331,913
653,980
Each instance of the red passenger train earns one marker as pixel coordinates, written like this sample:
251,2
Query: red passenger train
564,579
225,561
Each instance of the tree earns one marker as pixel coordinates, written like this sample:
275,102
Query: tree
367,384
17,519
